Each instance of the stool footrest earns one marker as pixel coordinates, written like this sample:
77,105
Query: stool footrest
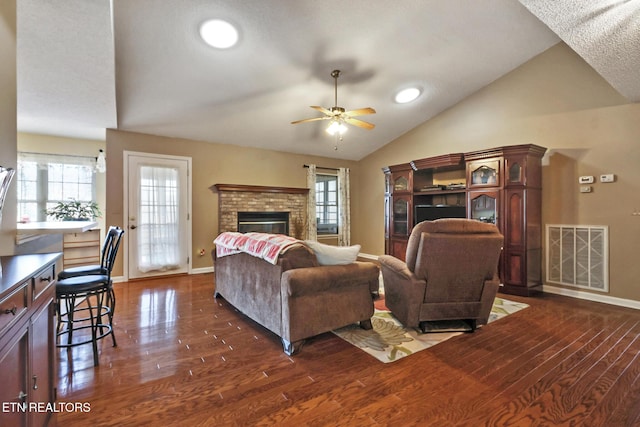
101,326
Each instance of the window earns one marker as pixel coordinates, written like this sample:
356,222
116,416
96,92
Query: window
327,204
45,179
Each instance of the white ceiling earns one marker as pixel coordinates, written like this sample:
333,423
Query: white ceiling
139,65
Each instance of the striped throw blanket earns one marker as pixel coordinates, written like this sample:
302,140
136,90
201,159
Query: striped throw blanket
261,245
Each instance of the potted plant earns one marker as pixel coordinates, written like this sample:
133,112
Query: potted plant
74,210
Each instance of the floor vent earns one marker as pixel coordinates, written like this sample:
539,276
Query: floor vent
578,255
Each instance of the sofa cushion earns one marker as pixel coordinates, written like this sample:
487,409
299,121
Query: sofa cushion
333,255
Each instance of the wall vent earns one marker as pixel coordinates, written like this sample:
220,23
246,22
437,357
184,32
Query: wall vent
578,256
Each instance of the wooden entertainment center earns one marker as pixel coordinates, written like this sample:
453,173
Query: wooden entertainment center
501,185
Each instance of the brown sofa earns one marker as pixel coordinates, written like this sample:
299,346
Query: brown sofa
297,298
450,273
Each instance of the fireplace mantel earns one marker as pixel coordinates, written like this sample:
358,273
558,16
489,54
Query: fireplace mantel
257,189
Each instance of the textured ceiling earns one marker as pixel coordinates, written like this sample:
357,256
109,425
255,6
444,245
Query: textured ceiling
605,33
65,67
87,65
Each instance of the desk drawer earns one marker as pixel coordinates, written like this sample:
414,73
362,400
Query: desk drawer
13,307
42,281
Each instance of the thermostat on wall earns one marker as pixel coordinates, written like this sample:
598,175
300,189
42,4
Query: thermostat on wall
586,179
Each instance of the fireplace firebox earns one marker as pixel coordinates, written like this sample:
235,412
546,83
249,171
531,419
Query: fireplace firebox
263,222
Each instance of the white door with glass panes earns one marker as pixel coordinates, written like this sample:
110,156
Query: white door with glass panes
157,214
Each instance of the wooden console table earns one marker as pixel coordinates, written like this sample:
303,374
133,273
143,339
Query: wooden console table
27,338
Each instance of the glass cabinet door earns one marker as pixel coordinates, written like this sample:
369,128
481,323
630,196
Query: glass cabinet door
401,216
484,173
515,174
483,207
401,183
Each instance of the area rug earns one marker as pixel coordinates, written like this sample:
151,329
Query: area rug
389,341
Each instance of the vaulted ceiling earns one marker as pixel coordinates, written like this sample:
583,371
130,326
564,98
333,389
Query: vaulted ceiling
87,65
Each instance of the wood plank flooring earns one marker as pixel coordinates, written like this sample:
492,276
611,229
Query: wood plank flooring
185,359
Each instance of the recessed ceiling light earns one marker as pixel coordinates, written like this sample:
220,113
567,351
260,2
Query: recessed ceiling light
219,33
407,95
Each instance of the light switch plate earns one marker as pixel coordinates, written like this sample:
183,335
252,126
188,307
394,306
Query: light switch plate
585,189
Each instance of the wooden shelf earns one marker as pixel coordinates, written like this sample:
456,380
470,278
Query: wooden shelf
438,192
81,248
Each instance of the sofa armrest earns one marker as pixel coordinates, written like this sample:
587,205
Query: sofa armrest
311,280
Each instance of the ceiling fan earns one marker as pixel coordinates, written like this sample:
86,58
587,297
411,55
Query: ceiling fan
338,116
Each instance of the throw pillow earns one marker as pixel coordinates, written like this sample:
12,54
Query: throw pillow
333,255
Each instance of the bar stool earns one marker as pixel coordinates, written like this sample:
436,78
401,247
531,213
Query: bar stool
99,301
83,270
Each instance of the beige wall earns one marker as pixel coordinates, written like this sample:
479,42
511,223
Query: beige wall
8,138
8,118
555,100
212,164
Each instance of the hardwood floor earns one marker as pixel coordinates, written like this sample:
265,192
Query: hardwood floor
185,359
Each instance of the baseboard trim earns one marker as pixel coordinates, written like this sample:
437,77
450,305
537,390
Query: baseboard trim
592,297
202,270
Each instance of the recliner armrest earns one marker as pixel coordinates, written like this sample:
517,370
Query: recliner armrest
403,291
311,280
396,266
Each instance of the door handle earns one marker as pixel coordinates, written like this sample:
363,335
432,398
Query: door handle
133,227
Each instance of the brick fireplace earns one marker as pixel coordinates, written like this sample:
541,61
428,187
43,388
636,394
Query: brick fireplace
260,199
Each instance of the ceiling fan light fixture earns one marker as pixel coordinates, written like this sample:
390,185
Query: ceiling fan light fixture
219,34
336,127
338,117
407,95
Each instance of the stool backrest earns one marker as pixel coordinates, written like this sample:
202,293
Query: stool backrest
110,248
105,247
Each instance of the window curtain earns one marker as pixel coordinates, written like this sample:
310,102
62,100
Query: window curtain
43,159
158,219
312,226
344,210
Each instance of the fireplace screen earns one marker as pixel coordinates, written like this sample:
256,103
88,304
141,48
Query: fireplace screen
263,222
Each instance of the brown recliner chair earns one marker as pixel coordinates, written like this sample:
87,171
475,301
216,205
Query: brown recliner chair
450,273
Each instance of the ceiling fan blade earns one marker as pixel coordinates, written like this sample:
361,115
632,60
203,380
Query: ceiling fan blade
359,123
310,120
360,112
322,110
